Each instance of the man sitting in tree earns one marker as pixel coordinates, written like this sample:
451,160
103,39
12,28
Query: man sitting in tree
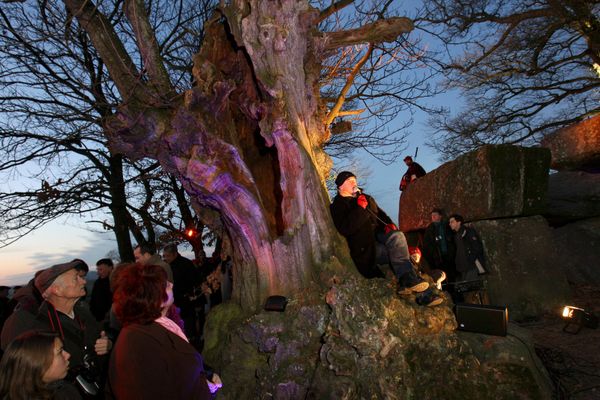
372,236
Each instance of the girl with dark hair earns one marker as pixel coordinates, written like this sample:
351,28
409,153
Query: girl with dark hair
152,358
32,368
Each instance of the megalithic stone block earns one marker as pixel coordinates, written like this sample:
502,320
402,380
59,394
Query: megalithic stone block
576,147
573,195
496,181
526,272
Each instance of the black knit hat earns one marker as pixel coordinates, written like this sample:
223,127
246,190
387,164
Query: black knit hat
342,176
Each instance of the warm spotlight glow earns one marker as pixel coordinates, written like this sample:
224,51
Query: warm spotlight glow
568,311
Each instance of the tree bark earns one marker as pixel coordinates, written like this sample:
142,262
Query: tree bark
246,140
118,208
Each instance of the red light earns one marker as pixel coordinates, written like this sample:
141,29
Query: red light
190,232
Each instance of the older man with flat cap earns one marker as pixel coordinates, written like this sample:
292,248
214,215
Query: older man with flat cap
373,238
61,287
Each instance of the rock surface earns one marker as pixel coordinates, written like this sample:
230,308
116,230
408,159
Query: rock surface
573,361
526,271
492,182
573,195
576,146
578,248
359,340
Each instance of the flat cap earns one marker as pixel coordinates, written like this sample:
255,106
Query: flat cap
47,276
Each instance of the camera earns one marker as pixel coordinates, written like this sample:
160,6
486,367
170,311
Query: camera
86,377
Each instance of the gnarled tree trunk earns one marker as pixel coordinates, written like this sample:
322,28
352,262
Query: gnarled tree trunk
246,140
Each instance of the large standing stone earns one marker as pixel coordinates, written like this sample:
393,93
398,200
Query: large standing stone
360,340
492,182
526,272
578,246
576,146
573,195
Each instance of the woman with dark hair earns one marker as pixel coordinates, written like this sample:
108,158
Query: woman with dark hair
33,368
152,358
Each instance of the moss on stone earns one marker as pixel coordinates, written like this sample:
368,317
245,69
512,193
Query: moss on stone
219,324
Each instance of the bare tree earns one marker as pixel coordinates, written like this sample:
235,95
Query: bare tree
247,139
372,90
526,68
55,95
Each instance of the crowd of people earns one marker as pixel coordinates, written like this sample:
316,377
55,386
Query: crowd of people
137,335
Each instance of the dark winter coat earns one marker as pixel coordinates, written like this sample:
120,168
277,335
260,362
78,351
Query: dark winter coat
150,362
101,298
63,390
359,226
469,248
437,238
184,280
77,334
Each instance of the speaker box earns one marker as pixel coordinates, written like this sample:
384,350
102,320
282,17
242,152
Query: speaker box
275,303
491,320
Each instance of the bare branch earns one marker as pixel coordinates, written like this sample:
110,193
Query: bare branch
350,80
350,112
383,30
146,42
111,49
333,8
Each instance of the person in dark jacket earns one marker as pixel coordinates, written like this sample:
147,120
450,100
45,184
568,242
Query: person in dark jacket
33,367
101,298
61,312
152,358
371,235
145,253
184,280
438,245
470,258
413,172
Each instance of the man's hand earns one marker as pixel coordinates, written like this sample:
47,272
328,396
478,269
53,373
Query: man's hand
103,344
362,201
390,228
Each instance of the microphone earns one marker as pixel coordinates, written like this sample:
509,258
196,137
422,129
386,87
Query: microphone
356,191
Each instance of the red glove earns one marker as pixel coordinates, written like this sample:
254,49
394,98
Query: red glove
362,201
390,228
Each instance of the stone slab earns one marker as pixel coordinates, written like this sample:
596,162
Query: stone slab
578,246
526,273
573,195
493,182
576,146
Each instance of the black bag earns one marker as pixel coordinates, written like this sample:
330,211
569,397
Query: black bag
275,303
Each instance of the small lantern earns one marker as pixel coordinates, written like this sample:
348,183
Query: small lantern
577,318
